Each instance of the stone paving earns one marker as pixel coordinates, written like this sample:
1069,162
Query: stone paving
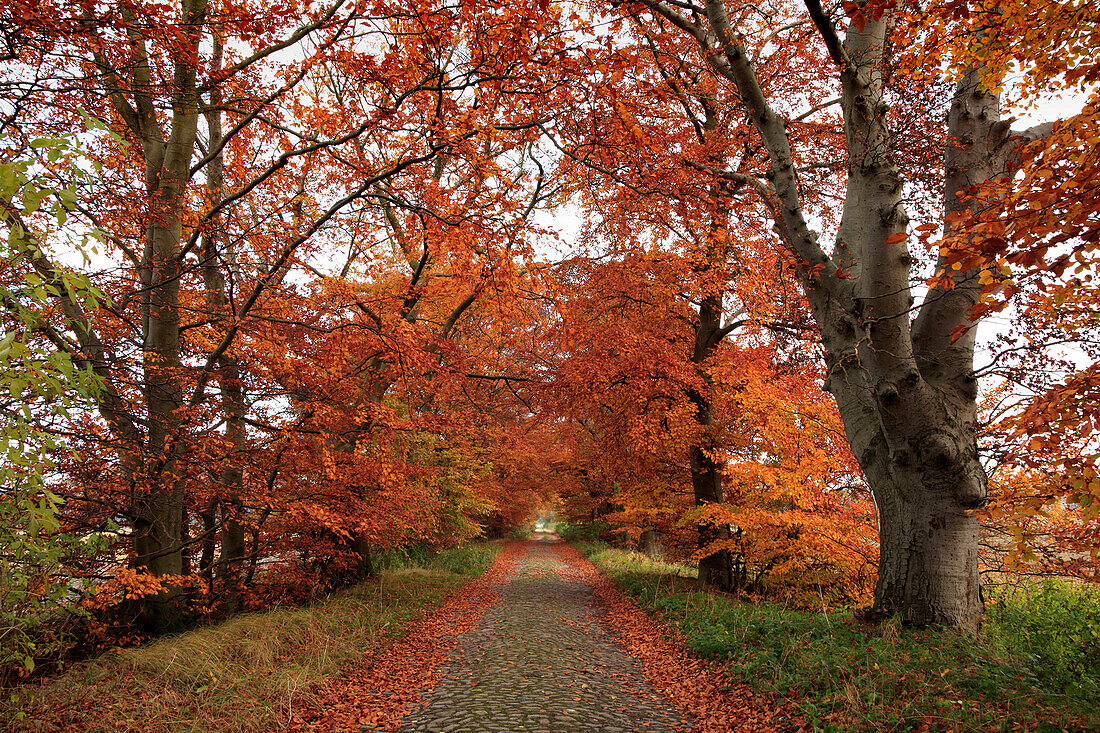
541,660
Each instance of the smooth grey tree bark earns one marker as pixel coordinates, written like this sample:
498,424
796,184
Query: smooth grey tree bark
905,388
159,490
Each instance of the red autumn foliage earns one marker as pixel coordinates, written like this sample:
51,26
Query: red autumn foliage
332,324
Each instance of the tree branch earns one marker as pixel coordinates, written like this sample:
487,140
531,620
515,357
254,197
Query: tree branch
828,33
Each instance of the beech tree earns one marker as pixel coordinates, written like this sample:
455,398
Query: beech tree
904,385
647,103
794,511
233,163
153,72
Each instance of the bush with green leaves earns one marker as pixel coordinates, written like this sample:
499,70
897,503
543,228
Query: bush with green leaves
524,532
471,559
39,386
1055,630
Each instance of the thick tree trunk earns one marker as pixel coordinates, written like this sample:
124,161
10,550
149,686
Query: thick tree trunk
158,506
906,391
928,532
928,564
706,475
920,460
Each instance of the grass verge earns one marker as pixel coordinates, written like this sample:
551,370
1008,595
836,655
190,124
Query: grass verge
1033,667
250,672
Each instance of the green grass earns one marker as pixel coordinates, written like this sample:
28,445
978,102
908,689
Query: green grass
626,565
1034,666
470,560
582,532
250,672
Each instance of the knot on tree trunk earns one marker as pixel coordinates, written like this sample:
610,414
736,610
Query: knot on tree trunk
971,489
951,468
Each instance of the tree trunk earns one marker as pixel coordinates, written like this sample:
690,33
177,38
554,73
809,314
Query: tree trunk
706,475
928,561
254,555
706,482
905,388
920,460
231,561
649,544
159,505
209,542
365,567
158,538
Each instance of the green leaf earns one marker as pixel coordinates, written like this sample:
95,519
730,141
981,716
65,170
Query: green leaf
16,235
32,199
16,387
67,196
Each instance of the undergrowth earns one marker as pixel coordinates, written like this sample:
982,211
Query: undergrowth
248,673
470,560
1035,666
583,532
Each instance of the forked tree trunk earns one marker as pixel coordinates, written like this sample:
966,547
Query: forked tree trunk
905,388
920,460
158,507
928,533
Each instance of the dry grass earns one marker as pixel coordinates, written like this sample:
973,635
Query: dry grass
246,674
619,561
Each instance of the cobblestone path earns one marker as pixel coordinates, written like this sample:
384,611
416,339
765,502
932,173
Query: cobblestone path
541,660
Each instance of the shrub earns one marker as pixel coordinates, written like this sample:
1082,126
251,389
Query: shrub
471,559
1055,632
521,533
467,560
